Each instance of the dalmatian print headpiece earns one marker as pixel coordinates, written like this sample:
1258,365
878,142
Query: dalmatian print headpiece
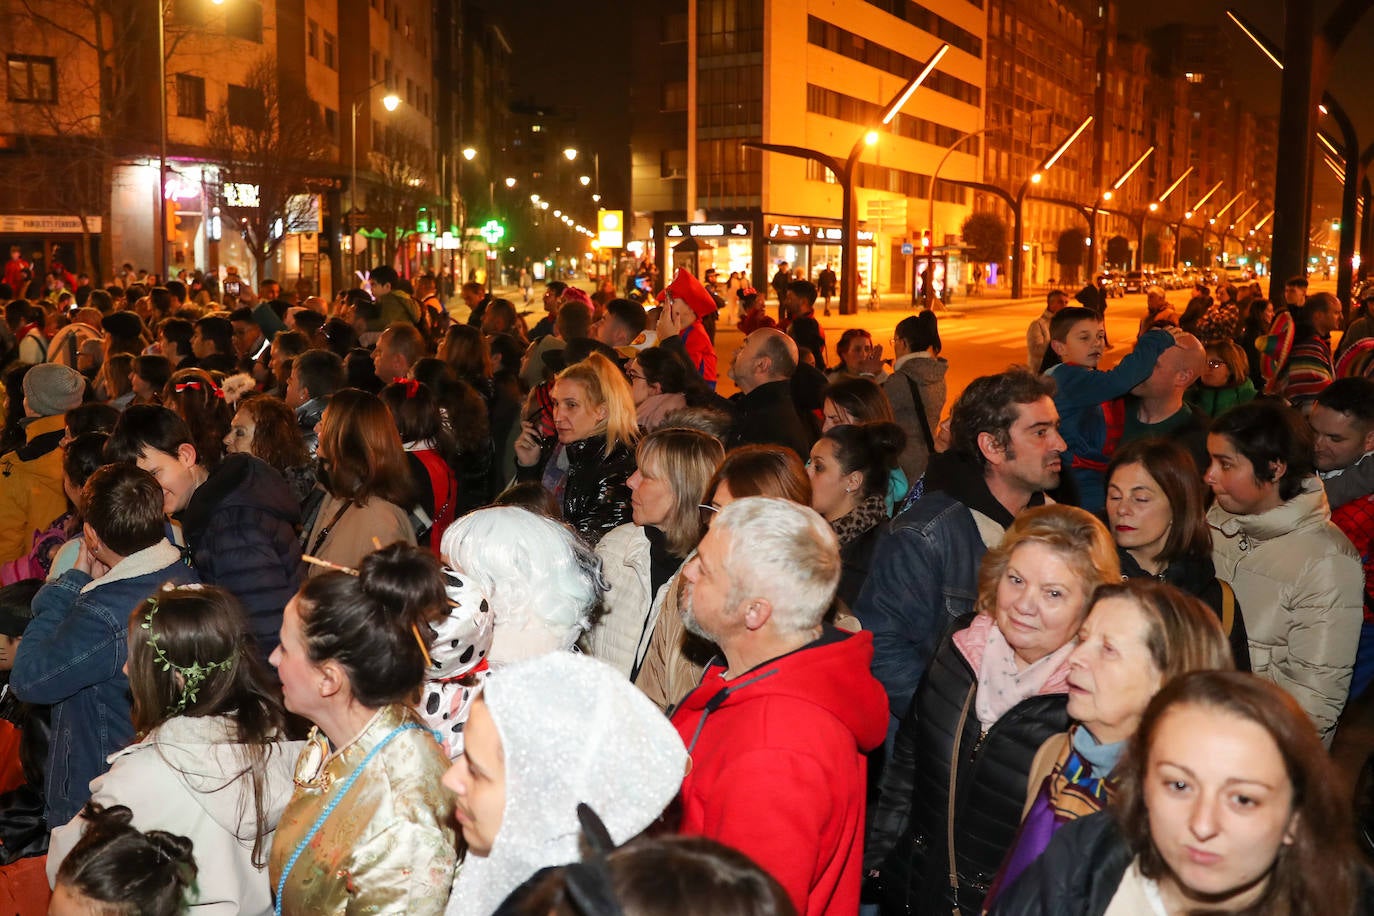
464,636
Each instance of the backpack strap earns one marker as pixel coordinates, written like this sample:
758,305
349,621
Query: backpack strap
920,411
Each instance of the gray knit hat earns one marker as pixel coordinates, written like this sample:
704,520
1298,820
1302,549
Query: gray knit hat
51,388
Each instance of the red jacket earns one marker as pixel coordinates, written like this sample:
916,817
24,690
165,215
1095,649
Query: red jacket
778,768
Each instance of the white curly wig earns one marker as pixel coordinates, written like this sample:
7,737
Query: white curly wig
542,582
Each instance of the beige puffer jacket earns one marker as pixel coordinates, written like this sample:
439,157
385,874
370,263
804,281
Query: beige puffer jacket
1301,584
620,635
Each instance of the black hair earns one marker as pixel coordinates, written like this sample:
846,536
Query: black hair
128,870
320,372
145,426
177,289
84,455
804,290
630,314
806,332
508,349
178,331
663,368
360,372
384,274
1267,432
90,418
921,331
871,448
153,369
219,332
368,622
990,404
308,322
339,337
243,313
1354,396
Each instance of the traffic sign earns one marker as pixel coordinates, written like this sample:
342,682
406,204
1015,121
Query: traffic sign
908,248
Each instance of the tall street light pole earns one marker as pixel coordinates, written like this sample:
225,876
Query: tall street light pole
1018,260
845,173
1105,197
391,102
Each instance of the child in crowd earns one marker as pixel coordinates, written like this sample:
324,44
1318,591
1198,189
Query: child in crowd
118,869
1092,415
73,652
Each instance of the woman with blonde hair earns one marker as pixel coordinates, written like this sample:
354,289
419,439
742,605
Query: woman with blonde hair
366,479
588,469
996,689
641,560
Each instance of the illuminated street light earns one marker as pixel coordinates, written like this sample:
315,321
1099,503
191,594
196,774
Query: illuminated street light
584,180
570,153
510,182
596,198
534,198
558,214
871,137
469,153
391,101
1035,177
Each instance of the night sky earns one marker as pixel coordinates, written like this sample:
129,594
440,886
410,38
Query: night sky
582,61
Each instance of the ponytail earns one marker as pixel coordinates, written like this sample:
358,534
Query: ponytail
869,448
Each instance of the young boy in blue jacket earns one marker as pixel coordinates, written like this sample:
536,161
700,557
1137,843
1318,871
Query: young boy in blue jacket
73,652
1092,415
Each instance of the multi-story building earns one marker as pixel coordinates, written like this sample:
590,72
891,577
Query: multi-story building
303,73
816,77
1042,59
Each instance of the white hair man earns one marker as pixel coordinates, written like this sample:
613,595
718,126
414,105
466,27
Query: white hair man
777,731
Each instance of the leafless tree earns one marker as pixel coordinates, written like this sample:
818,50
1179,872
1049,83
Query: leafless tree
268,154
404,184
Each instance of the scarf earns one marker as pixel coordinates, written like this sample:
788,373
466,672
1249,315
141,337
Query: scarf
867,512
1001,685
1080,782
656,407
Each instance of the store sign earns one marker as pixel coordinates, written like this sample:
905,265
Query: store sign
237,194
709,230
610,228
825,234
56,224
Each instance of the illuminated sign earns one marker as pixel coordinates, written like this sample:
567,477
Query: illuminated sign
824,234
237,194
708,230
610,228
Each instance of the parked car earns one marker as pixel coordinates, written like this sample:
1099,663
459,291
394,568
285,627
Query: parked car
1135,281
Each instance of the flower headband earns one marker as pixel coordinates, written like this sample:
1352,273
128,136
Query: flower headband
192,675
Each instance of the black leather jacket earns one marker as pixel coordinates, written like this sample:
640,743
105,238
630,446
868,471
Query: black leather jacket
909,827
596,497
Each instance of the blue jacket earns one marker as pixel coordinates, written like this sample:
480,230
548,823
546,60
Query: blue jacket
243,529
924,574
1080,396
71,658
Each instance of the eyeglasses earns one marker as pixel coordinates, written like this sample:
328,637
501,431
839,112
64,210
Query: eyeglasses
708,507
636,376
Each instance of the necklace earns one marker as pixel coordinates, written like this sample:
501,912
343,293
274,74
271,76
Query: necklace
334,803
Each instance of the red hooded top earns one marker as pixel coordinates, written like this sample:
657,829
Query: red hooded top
778,768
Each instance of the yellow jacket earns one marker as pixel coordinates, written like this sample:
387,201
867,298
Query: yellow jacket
31,494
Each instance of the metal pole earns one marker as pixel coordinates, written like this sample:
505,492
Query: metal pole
162,144
353,201
1296,106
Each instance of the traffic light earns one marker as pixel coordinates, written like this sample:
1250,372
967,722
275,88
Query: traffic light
925,241
423,221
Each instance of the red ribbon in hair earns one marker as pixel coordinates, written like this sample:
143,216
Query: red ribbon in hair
411,386
195,385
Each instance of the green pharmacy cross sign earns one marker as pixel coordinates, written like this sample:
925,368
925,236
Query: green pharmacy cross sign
493,232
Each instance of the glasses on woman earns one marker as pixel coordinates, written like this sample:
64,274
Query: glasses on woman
635,376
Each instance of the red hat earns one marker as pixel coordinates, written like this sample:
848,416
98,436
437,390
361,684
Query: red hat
689,289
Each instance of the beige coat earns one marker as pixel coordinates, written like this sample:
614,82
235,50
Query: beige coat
1302,586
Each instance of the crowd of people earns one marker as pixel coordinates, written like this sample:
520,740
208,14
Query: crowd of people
375,605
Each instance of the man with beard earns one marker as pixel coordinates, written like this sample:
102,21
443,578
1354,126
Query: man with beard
1003,456
779,728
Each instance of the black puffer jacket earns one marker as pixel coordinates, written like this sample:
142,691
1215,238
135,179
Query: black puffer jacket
908,833
1198,577
596,497
243,528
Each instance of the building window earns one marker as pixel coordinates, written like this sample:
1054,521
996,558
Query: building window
243,19
245,107
376,66
32,79
674,28
822,34
331,122
675,96
329,51
673,163
190,97
312,38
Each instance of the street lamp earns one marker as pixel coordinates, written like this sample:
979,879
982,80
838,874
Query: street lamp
1018,227
510,182
570,152
469,153
391,101
845,173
